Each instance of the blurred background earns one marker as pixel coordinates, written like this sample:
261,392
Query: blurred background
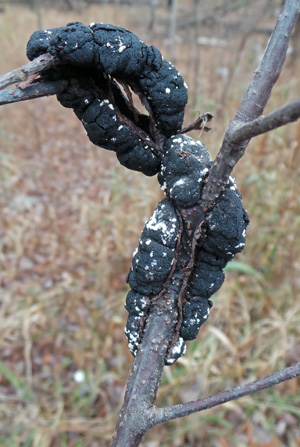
71,218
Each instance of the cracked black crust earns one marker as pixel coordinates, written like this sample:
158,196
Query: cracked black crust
119,53
184,167
154,256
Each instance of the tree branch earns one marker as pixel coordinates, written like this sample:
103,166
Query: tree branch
136,416
21,74
177,411
263,124
253,103
36,90
138,413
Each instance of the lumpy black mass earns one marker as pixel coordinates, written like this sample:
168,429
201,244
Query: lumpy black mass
184,167
119,53
154,256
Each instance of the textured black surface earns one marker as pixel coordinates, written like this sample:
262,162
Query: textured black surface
153,259
184,167
195,313
95,60
119,53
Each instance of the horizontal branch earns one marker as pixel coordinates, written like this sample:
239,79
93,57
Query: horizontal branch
177,411
282,116
22,73
36,90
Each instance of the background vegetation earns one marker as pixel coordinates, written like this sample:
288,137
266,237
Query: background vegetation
71,217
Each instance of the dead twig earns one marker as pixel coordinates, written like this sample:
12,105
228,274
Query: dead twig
36,90
21,74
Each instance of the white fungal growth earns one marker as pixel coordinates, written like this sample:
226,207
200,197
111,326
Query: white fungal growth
163,187
156,224
176,351
177,140
179,182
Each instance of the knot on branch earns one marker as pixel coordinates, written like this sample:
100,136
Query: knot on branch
183,245
181,240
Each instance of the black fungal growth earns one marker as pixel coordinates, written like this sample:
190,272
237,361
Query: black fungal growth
99,57
103,65
184,167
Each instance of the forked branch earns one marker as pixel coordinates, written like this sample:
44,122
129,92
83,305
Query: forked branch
253,104
178,411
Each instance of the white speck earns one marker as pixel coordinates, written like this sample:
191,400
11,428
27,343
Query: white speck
79,376
120,127
244,233
168,90
75,46
177,140
179,183
122,48
92,24
185,85
163,186
242,244
148,242
111,106
86,101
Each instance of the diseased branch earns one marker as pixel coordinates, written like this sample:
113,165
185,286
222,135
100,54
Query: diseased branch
136,416
21,74
253,103
177,411
36,90
141,397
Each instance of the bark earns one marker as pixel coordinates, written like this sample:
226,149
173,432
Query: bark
25,72
253,102
178,411
33,91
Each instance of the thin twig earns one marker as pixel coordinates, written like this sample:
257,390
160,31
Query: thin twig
22,73
177,411
36,90
263,124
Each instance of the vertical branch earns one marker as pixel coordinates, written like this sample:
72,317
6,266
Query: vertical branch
253,102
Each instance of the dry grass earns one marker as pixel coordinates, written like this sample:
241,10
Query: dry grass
70,220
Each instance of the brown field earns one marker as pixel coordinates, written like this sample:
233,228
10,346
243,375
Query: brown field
70,219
